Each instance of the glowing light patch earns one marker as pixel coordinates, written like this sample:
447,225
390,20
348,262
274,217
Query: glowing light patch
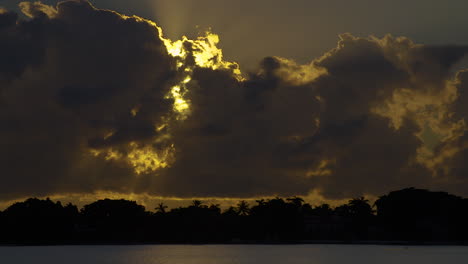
161,127
135,110
108,135
181,105
323,169
109,154
299,74
205,52
113,155
176,48
145,159
187,80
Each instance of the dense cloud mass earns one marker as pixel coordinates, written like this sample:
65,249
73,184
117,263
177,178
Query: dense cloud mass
92,100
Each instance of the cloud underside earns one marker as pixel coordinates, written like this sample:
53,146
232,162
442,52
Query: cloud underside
92,100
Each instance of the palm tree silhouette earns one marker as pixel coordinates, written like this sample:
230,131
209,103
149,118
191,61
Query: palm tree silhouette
197,203
243,208
297,201
360,207
161,208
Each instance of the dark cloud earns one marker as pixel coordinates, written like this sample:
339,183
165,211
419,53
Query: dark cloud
73,78
92,100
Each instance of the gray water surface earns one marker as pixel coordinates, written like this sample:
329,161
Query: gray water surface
234,254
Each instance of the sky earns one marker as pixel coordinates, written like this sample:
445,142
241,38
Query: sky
328,100
252,30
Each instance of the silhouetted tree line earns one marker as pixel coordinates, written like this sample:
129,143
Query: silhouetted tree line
412,215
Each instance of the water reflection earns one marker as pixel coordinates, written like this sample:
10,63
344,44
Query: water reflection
233,254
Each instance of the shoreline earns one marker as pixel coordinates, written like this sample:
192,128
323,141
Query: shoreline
252,243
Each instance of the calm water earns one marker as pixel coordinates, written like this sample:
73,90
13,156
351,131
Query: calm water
233,254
